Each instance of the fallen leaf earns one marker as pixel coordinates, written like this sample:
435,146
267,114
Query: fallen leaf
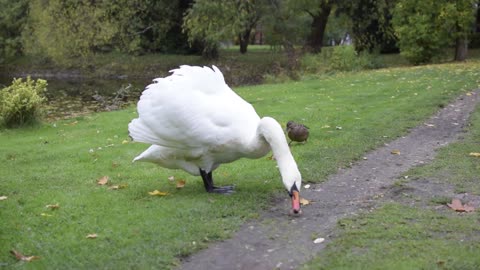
91,236
171,178
3,198
103,181
125,142
459,207
325,126
318,240
181,183
429,125
474,154
53,206
116,187
158,193
46,215
71,124
19,256
307,186
395,152
469,94
304,201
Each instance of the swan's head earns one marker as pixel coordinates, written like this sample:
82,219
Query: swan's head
293,185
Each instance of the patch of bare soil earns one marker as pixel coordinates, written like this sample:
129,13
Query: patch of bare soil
278,241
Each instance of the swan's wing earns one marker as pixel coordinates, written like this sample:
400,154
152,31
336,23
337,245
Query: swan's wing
192,108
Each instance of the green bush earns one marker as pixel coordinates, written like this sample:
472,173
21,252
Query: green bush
339,58
20,103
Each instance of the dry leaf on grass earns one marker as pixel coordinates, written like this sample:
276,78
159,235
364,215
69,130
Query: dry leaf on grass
459,207
474,154
53,206
3,198
158,193
103,181
171,178
181,183
117,187
91,236
19,256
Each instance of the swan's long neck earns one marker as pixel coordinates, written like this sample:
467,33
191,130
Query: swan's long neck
271,130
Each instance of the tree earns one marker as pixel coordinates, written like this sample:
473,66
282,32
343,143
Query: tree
426,28
371,24
318,11
12,19
63,30
213,21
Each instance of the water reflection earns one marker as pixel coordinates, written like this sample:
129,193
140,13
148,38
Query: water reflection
73,97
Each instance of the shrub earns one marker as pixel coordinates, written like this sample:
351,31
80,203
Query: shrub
339,58
20,103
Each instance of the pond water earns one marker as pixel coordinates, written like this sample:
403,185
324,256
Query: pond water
70,97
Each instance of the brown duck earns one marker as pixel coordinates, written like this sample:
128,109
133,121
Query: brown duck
297,132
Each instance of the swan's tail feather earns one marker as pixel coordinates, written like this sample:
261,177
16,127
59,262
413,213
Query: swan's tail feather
140,132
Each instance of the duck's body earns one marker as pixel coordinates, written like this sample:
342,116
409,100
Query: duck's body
195,122
297,132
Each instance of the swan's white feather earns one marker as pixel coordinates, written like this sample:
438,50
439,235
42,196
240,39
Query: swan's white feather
195,112
195,121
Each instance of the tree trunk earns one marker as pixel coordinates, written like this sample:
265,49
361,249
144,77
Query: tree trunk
317,29
244,40
461,49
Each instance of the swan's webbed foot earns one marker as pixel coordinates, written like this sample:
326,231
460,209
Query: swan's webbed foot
210,188
223,190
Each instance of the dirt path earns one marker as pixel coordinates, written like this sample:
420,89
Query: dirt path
277,241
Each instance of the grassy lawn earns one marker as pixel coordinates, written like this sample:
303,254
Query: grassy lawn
424,236
60,163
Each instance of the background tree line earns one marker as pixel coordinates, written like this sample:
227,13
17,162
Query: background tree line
61,30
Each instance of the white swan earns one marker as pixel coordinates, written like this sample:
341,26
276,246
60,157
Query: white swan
195,122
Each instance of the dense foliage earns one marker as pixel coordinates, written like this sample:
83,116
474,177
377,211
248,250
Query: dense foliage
426,28
20,103
65,31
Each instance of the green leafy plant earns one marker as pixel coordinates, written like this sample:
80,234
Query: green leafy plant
20,103
339,58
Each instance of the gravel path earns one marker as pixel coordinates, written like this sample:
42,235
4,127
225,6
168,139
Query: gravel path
278,241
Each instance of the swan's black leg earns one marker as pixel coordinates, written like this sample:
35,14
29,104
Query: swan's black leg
209,187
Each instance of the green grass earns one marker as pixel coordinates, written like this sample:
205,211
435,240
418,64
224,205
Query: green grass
402,237
60,163
397,236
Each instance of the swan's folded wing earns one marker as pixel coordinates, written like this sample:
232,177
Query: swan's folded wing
192,108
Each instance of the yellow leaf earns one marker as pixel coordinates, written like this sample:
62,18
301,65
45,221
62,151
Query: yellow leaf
469,94
474,154
103,181
71,124
304,201
91,236
181,183
158,193
19,256
3,198
53,206
395,152
121,186
125,142
46,215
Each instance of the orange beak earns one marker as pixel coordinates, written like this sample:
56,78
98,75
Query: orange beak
296,202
